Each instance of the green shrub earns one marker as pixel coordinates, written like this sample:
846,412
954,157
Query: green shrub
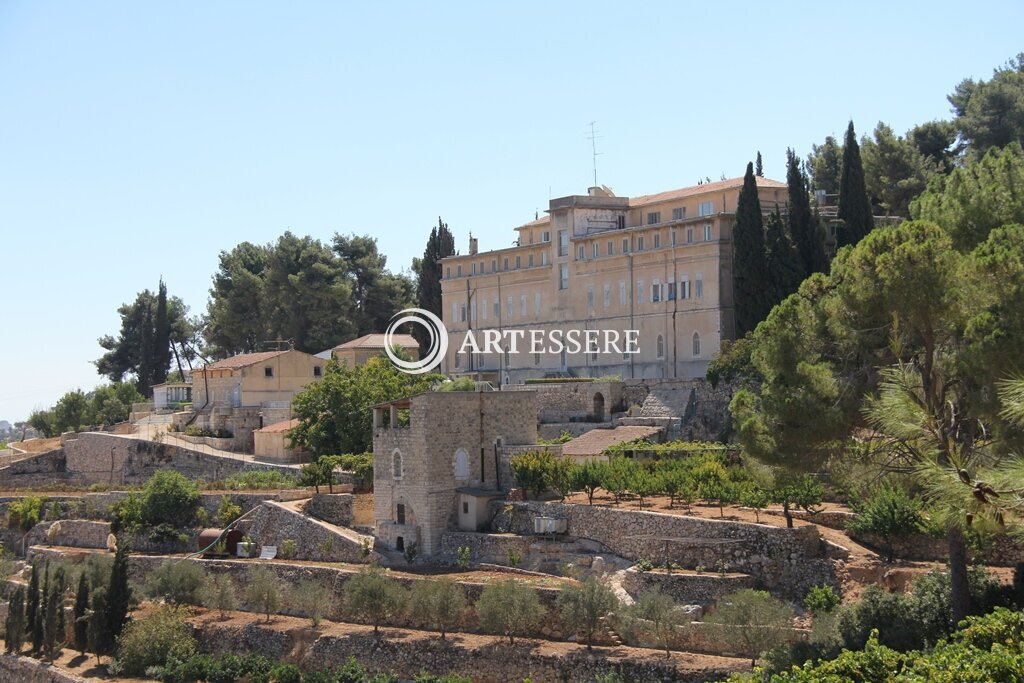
154,639
169,498
179,582
532,470
460,384
821,600
25,513
227,511
438,604
644,565
257,480
288,549
374,596
509,608
887,511
584,606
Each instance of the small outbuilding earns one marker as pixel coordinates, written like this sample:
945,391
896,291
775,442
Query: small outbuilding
271,442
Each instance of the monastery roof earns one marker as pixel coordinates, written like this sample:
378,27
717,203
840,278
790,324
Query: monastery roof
279,427
242,360
377,341
596,441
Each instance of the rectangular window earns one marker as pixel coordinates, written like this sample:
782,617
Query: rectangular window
473,269
484,310
678,214
581,253
596,249
689,235
522,306
640,243
699,286
509,304
707,232
544,257
462,313
621,220
655,291
506,263
622,293
607,295
536,304
563,242
317,371
563,276
706,208
590,296
673,238
448,273
611,248
268,371
684,289
545,236
494,265
458,270
653,217
519,262
657,240
671,291
497,308
529,261
639,291
625,246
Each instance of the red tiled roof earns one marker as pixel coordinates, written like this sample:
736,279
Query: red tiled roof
242,360
763,183
596,440
279,427
376,341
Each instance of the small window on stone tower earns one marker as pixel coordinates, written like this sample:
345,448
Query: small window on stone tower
461,464
396,464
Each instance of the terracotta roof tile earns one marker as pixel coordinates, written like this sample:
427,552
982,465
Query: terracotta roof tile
376,341
242,360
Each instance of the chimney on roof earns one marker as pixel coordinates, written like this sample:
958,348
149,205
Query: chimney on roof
472,245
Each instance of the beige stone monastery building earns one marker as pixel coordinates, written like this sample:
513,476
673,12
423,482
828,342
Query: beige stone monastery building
660,264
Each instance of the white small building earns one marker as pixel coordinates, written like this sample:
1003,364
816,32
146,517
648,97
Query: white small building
171,395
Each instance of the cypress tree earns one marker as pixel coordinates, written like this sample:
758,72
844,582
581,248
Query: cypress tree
60,590
161,338
118,597
803,226
32,606
39,625
51,624
81,608
440,244
749,268
758,166
784,269
14,625
854,205
100,640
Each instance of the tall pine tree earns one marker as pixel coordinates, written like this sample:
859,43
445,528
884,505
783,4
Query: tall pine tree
854,205
804,228
750,276
785,272
440,244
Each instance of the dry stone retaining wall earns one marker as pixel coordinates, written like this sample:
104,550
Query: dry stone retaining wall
787,562
335,508
28,670
272,524
686,588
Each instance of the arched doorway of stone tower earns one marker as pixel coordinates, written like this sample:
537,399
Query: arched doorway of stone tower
598,406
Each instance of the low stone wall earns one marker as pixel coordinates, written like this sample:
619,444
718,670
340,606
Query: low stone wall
78,533
494,548
106,458
491,661
684,587
335,508
43,469
998,551
272,524
787,562
28,670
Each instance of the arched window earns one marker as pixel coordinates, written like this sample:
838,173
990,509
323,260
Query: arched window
396,464
660,348
461,464
696,344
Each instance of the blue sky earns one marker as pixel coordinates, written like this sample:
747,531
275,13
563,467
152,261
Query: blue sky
139,140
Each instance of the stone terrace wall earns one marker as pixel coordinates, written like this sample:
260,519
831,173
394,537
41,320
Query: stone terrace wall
272,524
39,470
787,562
496,662
686,589
77,533
28,670
335,508
493,548
105,458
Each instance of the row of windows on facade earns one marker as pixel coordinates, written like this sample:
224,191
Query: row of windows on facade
659,353
460,464
268,371
660,292
581,252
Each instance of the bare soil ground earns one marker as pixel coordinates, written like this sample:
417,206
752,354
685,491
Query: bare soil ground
38,445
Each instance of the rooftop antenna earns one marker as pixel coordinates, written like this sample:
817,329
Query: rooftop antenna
593,137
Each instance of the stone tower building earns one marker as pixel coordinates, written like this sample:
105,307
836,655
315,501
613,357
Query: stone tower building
436,470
